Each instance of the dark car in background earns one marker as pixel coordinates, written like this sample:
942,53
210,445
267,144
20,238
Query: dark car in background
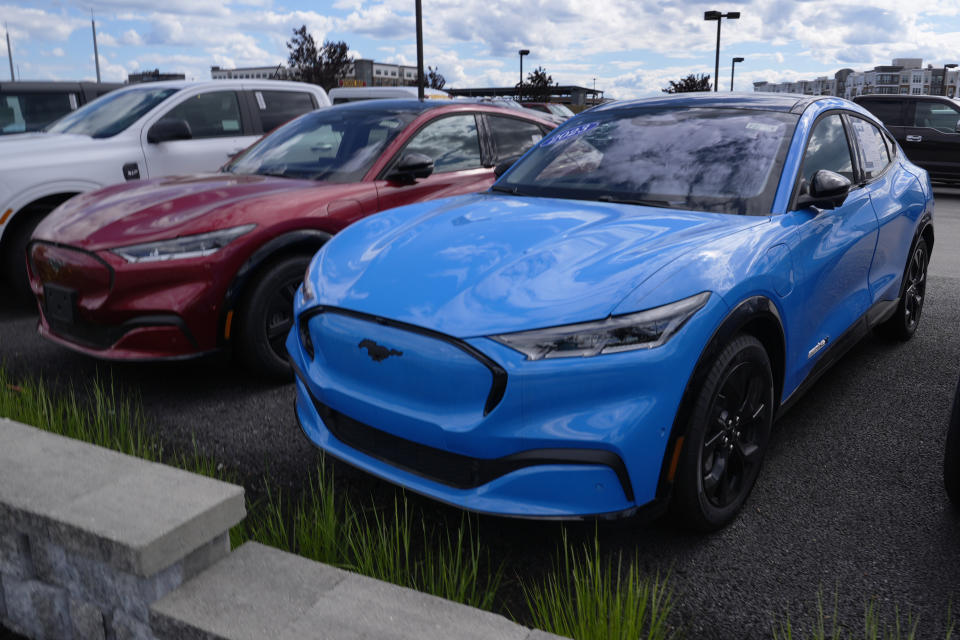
30,106
927,128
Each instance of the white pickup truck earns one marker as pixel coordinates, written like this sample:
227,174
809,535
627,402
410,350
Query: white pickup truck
138,132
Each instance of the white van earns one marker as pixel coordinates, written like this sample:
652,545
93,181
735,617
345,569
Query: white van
354,94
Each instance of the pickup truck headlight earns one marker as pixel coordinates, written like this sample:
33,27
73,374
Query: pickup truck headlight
642,330
194,246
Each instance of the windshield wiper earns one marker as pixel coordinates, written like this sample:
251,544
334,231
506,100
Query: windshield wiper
515,191
275,174
665,204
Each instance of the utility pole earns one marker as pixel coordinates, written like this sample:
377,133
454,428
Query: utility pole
96,54
420,78
9,52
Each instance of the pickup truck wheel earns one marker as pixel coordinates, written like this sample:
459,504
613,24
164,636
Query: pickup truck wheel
15,253
266,317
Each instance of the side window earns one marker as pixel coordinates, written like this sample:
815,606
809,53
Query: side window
277,107
889,111
512,136
210,115
873,150
827,149
452,142
936,115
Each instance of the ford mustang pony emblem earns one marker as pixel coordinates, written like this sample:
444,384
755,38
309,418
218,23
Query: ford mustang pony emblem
377,352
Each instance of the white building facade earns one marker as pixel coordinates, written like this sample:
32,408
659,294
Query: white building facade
904,76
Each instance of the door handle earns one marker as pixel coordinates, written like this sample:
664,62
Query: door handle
914,138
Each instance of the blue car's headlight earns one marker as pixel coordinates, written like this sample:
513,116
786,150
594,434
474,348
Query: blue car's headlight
642,330
194,246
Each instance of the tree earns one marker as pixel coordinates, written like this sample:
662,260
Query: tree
435,79
690,83
324,66
538,85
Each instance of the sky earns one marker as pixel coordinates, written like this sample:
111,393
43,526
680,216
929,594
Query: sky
630,48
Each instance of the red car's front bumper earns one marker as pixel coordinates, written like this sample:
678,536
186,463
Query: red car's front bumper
101,305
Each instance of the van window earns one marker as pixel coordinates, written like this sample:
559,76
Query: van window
937,115
890,112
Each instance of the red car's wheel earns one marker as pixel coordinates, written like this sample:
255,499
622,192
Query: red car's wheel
266,317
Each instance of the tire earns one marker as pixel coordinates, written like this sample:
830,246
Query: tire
726,436
905,320
951,459
266,316
15,253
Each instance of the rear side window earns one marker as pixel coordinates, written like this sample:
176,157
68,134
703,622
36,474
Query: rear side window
937,115
890,112
277,107
451,142
874,156
828,149
513,137
33,111
210,115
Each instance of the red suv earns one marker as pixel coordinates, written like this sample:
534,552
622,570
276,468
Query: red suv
179,267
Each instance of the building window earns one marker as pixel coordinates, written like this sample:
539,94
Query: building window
916,91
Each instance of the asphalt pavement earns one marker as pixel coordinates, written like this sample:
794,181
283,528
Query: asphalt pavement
850,501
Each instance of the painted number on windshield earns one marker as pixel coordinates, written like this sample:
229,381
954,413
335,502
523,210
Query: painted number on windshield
573,132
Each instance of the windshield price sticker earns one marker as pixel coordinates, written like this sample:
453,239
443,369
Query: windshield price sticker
573,132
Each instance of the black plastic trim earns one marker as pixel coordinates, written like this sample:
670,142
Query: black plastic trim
300,240
105,336
454,469
746,311
497,388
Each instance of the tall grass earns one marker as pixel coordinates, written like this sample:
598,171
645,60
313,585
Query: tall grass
589,598
393,546
875,626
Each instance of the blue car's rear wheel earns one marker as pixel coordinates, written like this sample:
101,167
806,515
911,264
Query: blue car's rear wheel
903,323
726,437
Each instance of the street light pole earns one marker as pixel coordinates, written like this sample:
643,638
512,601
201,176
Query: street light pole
943,87
419,51
733,66
716,15
523,52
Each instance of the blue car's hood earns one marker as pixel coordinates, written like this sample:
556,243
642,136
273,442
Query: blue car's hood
485,264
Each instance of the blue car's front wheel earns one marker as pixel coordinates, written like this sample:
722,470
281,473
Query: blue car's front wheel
727,436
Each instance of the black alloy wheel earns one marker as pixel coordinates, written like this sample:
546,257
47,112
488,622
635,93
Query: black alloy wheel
266,317
904,322
727,436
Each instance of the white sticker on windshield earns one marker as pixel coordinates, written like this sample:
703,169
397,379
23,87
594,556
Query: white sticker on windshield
763,126
230,125
572,132
260,101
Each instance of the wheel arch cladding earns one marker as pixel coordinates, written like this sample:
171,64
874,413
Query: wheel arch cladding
303,241
756,316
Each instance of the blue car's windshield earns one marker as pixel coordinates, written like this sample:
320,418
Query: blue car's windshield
702,159
338,144
109,115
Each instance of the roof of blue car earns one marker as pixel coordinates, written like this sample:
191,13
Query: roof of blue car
765,101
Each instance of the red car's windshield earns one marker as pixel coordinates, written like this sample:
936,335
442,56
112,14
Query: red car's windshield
338,144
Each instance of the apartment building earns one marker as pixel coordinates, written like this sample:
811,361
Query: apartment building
903,76
361,73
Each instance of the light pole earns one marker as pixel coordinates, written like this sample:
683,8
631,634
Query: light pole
733,66
523,52
420,78
716,15
943,88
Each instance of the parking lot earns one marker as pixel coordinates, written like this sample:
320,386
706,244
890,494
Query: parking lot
850,500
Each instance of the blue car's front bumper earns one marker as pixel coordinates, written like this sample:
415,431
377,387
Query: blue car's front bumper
475,424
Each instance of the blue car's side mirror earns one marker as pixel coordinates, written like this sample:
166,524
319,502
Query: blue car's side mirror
827,190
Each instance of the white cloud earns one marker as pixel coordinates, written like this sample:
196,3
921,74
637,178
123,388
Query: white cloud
58,52
131,38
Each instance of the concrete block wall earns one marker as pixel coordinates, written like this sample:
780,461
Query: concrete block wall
96,545
89,538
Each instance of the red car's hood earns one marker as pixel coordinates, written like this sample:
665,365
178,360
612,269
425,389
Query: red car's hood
153,210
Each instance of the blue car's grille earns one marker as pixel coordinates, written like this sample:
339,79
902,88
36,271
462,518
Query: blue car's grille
453,469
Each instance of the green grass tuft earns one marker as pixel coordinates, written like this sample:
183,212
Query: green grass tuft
588,598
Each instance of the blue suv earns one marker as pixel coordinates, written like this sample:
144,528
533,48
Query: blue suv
615,325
